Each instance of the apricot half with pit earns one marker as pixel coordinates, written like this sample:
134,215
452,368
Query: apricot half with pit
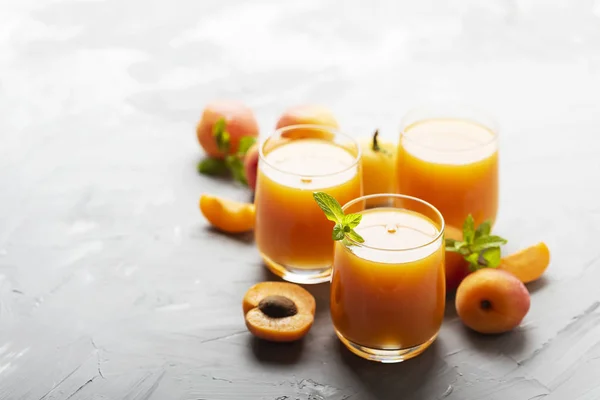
278,311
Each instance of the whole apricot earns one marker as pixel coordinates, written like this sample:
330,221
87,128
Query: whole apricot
528,264
251,166
307,115
457,268
228,215
278,311
492,301
378,165
238,121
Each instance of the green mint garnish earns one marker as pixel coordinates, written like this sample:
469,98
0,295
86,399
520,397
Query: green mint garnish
234,163
212,166
221,135
344,224
478,247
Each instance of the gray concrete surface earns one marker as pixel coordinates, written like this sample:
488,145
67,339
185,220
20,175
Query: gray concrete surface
112,286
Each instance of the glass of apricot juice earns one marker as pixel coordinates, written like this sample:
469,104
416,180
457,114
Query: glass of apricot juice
388,292
292,234
448,156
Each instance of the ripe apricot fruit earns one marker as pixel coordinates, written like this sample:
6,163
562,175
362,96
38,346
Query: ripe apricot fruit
227,215
528,264
492,301
278,311
457,268
378,165
307,115
251,166
238,120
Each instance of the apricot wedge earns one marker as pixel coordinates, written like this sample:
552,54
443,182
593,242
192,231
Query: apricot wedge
278,311
528,264
227,215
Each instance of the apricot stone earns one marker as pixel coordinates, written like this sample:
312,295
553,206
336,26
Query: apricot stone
278,311
239,122
492,301
528,264
227,215
457,268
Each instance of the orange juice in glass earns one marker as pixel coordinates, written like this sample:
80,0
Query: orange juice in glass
449,157
292,234
388,293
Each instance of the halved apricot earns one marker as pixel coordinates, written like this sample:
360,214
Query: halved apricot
528,264
278,311
227,215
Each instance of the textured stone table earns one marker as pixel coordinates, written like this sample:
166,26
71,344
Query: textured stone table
112,286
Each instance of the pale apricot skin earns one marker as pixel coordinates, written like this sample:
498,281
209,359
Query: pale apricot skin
528,264
239,122
378,167
307,115
286,329
492,301
228,215
251,166
457,268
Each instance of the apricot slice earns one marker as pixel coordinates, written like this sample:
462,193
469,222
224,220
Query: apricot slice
278,311
528,264
227,215
492,301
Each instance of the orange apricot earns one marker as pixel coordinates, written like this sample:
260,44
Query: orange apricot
251,166
239,122
307,115
278,311
528,264
457,268
378,165
492,301
227,215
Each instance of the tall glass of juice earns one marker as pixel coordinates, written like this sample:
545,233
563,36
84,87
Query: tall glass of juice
448,156
388,292
292,234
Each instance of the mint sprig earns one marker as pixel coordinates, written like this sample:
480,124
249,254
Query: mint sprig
344,224
234,163
478,247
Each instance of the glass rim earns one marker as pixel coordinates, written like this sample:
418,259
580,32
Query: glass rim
336,132
489,124
397,196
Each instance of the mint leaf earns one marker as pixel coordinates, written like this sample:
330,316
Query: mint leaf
236,166
338,232
245,143
483,230
472,259
485,242
490,257
330,206
355,237
352,220
212,166
451,244
469,229
221,135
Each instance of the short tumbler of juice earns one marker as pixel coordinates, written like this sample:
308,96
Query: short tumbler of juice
388,293
292,233
448,156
